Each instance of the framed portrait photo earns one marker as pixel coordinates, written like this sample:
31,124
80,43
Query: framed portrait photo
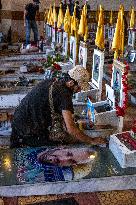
97,70
47,30
82,54
111,31
132,56
53,35
50,31
106,28
59,36
116,83
131,38
65,43
73,49
110,95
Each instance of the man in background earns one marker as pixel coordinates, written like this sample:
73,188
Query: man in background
31,10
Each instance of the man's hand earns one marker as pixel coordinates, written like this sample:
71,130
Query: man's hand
74,131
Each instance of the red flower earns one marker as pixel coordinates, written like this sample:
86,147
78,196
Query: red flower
120,111
56,66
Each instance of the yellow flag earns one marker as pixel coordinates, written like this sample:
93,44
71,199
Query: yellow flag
97,14
99,41
67,21
132,18
50,16
111,18
86,33
46,15
118,39
83,22
54,15
81,30
60,17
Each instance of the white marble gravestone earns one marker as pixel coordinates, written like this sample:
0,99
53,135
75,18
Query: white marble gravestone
124,155
11,100
96,83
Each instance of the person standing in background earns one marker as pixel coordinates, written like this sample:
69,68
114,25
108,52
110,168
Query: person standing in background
71,7
31,10
77,10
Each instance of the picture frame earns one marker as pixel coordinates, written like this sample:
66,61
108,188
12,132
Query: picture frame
97,70
53,35
47,74
47,30
59,37
90,111
110,95
106,29
82,54
131,38
116,82
132,56
72,50
111,31
65,43
50,31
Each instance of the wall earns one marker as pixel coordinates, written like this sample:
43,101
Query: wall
12,13
114,4
12,16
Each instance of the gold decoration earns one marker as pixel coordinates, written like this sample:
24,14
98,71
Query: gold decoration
118,39
67,21
54,15
132,18
60,17
99,41
111,18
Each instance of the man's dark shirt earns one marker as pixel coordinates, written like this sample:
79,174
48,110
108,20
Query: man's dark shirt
31,9
33,117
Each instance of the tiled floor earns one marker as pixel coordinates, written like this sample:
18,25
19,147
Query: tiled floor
100,198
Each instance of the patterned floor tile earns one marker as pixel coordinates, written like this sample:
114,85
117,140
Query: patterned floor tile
69,201
117,198
87,199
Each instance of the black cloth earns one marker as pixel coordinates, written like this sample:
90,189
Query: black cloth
31,11
32,117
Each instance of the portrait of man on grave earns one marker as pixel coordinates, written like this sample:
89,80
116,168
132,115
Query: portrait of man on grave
71,49
130,38
53,35
81,56
96,67
65,45
117,79
54,164
117,76
110,33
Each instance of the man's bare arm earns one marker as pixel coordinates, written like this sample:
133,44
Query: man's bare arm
74,131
